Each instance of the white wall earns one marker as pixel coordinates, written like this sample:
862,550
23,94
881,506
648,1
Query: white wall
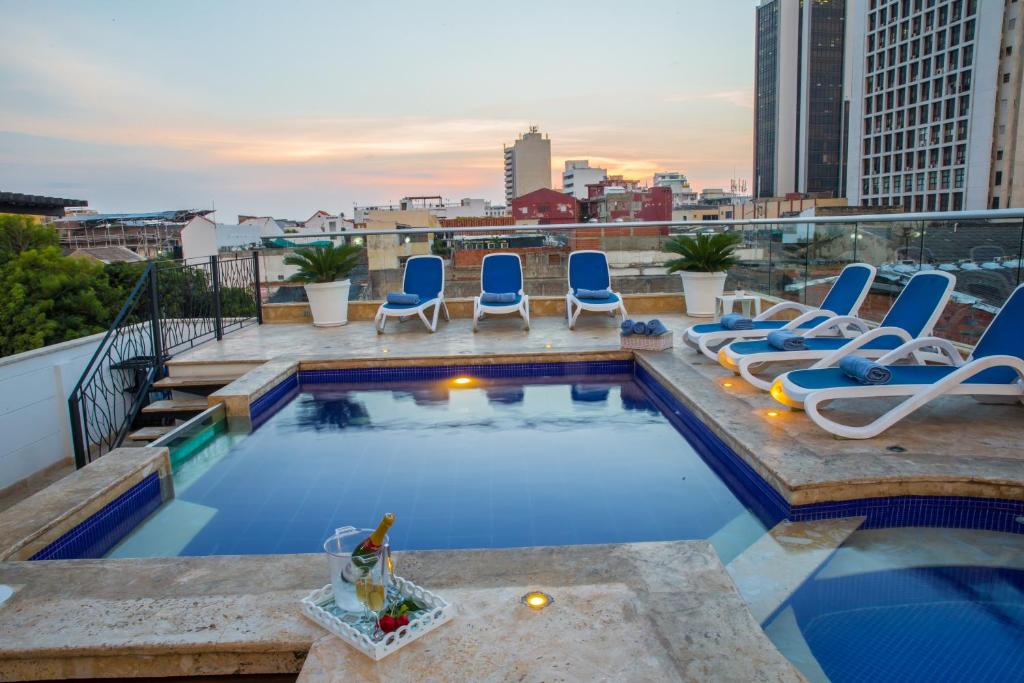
198,238
35,430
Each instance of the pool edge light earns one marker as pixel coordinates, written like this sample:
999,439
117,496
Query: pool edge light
537,600
462,381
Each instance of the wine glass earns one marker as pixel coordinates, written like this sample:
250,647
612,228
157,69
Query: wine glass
372,587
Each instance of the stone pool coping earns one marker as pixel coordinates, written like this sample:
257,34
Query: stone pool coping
240,614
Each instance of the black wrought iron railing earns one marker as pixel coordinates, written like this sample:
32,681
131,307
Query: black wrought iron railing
174,306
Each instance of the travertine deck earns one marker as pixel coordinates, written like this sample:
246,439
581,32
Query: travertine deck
955,446
640,612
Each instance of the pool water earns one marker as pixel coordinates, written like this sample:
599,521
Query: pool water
491,464
945,606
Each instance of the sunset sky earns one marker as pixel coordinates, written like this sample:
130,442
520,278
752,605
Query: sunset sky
287,107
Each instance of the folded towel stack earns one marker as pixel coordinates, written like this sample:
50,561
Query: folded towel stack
735,321
654,328
784,340
592,293
403,299
498,298
865,371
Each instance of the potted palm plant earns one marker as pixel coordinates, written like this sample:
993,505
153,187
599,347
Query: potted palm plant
702,262
325,270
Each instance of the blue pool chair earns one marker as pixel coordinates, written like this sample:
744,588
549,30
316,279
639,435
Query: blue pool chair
844,298
588,270
994,372
913,314
424,276
501,274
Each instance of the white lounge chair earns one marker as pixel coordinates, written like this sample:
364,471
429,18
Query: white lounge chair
424,277
501,274
994,370
844,298
588,270
913,314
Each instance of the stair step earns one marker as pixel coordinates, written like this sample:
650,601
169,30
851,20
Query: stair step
177,406
776,564
150,433
187,382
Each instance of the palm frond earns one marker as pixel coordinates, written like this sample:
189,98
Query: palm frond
703,253
324,264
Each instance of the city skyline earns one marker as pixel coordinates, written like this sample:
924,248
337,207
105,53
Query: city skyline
256,109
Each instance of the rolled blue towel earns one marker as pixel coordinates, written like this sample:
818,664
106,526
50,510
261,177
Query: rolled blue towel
626,327
498,297
593,293
735,321
656,328
640,327
784,340
864,370
401,298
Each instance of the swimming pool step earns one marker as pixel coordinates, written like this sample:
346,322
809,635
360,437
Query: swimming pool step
194,382
776,564
176,407
150,433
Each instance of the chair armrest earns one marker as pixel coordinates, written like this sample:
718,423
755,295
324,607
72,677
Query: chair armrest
944,346
851,347
838,323
809,315
783,306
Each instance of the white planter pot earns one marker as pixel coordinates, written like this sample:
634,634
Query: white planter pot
700,290
328,301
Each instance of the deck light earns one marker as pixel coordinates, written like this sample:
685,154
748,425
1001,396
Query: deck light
726,384
772,413
384,350
537,600
548,345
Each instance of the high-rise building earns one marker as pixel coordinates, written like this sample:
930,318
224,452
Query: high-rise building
578,174
932,127
527,164
798,107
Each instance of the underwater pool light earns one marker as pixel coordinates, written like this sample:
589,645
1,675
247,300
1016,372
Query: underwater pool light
462,381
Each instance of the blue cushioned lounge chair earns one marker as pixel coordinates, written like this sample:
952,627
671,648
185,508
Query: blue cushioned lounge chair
501,274
994,372
913,314
424,276
588,270
844,298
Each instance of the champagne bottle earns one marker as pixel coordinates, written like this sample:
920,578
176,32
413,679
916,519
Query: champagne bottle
365,555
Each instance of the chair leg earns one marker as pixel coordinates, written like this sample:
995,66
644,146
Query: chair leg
380,321
575,315
476,316
444,309
437,311
526,313
568,310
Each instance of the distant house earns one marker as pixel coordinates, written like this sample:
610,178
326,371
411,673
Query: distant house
545,207
202,238
113,254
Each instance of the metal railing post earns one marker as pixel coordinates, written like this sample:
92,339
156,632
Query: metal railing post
77,438
154,317
218,324
256,285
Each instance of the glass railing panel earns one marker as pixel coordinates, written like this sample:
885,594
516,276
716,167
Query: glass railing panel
826,249
985,257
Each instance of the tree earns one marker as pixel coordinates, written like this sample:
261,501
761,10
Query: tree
46,298
21,233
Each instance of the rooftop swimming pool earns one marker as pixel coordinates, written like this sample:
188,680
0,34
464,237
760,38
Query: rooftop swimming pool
463,462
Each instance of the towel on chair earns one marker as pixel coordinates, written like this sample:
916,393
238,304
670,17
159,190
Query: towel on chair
593,293
498,298
626,328
864,370
735,321
640,327
401,298
784,340
656,328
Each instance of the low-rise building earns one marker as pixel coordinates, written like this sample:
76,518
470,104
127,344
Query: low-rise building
682,194
578,174
545,207
612,203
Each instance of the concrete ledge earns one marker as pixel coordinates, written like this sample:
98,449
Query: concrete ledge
37,521
240,615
